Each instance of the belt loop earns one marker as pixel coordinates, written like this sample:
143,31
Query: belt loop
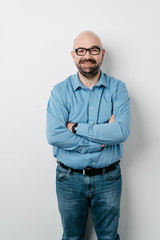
104,171
84,172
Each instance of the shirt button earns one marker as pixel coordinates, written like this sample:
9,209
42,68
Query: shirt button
91,107
91,122
93,163
91,93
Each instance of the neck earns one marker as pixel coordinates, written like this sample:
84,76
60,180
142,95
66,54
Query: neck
89,83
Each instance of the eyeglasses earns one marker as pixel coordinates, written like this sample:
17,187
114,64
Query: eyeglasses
83,51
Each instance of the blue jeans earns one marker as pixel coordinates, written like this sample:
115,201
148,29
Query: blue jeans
76,193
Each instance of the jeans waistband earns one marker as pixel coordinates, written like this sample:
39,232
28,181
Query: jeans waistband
88,171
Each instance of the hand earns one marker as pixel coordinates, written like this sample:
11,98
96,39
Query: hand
102,146
69,126
111,119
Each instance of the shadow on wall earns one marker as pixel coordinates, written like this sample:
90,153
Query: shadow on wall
132,148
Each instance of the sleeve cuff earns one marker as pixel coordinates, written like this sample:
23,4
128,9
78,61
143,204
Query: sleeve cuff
83,129
94,147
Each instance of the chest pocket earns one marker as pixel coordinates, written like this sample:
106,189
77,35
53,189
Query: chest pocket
105,111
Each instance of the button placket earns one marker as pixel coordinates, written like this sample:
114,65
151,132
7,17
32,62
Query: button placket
91,112
94,104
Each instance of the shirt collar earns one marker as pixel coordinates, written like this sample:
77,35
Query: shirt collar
77,83
102,80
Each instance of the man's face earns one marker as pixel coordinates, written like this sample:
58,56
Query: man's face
88,65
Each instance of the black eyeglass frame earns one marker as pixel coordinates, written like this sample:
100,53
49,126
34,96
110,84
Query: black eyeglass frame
88,49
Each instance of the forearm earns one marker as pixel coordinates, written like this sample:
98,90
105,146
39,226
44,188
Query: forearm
107,134
58,135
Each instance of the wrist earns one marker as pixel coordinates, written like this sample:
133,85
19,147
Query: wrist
74,128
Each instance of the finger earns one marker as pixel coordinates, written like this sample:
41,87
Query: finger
103,146
111,119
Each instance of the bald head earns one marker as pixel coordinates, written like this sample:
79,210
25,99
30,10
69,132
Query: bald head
87,39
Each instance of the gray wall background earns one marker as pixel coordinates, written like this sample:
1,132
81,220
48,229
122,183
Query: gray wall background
35,42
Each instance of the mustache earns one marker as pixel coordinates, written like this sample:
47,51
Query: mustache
87,60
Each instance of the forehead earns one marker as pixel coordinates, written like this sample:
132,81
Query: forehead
87,41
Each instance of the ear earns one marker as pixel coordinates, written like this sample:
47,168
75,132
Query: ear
103,52
73,54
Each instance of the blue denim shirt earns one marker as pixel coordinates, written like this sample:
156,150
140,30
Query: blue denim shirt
92,109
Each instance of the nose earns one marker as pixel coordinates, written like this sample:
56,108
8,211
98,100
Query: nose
88,53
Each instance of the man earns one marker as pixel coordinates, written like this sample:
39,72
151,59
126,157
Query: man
88,118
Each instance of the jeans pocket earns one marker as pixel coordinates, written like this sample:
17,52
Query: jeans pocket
114,174
61,173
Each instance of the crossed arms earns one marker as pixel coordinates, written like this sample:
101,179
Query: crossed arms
70,125
88,138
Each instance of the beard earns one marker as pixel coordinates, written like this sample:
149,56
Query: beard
88,71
